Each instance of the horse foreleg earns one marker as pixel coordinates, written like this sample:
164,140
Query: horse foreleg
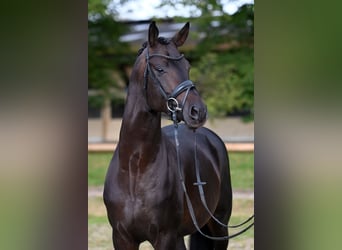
121,243
180,244
169,242
199,242
218,231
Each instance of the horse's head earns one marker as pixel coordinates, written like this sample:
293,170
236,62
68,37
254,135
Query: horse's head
166,79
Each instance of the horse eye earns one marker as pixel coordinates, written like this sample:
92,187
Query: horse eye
159,69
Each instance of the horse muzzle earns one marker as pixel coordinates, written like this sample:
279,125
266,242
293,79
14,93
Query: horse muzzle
195,115
191,109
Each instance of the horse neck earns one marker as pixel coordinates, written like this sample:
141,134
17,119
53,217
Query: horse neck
140,134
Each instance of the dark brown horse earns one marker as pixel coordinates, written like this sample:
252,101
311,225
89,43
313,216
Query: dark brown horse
143,190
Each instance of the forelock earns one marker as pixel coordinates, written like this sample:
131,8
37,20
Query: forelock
161,40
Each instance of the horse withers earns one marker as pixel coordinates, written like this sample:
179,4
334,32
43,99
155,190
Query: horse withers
143,190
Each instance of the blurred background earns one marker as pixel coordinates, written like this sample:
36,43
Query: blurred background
44,98
220,48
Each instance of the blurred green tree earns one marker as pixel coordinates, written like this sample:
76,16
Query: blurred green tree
105,52
225,81
224,65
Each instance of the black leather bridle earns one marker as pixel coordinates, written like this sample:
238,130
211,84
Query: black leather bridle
171,102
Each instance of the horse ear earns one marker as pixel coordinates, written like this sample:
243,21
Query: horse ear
153,33
182,35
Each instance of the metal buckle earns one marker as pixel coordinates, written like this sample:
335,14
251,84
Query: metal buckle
173,105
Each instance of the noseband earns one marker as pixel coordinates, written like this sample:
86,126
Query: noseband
171,101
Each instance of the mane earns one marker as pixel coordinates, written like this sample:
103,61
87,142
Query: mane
161,40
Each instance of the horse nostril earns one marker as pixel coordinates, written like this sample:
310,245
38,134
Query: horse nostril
194,112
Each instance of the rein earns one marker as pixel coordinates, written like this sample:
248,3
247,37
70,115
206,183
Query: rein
200,184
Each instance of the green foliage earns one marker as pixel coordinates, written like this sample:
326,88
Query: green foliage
96,101
225,71
97,7
225,81
105,51
224,65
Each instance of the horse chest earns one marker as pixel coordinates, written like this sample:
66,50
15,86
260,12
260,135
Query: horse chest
149,198
150,191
